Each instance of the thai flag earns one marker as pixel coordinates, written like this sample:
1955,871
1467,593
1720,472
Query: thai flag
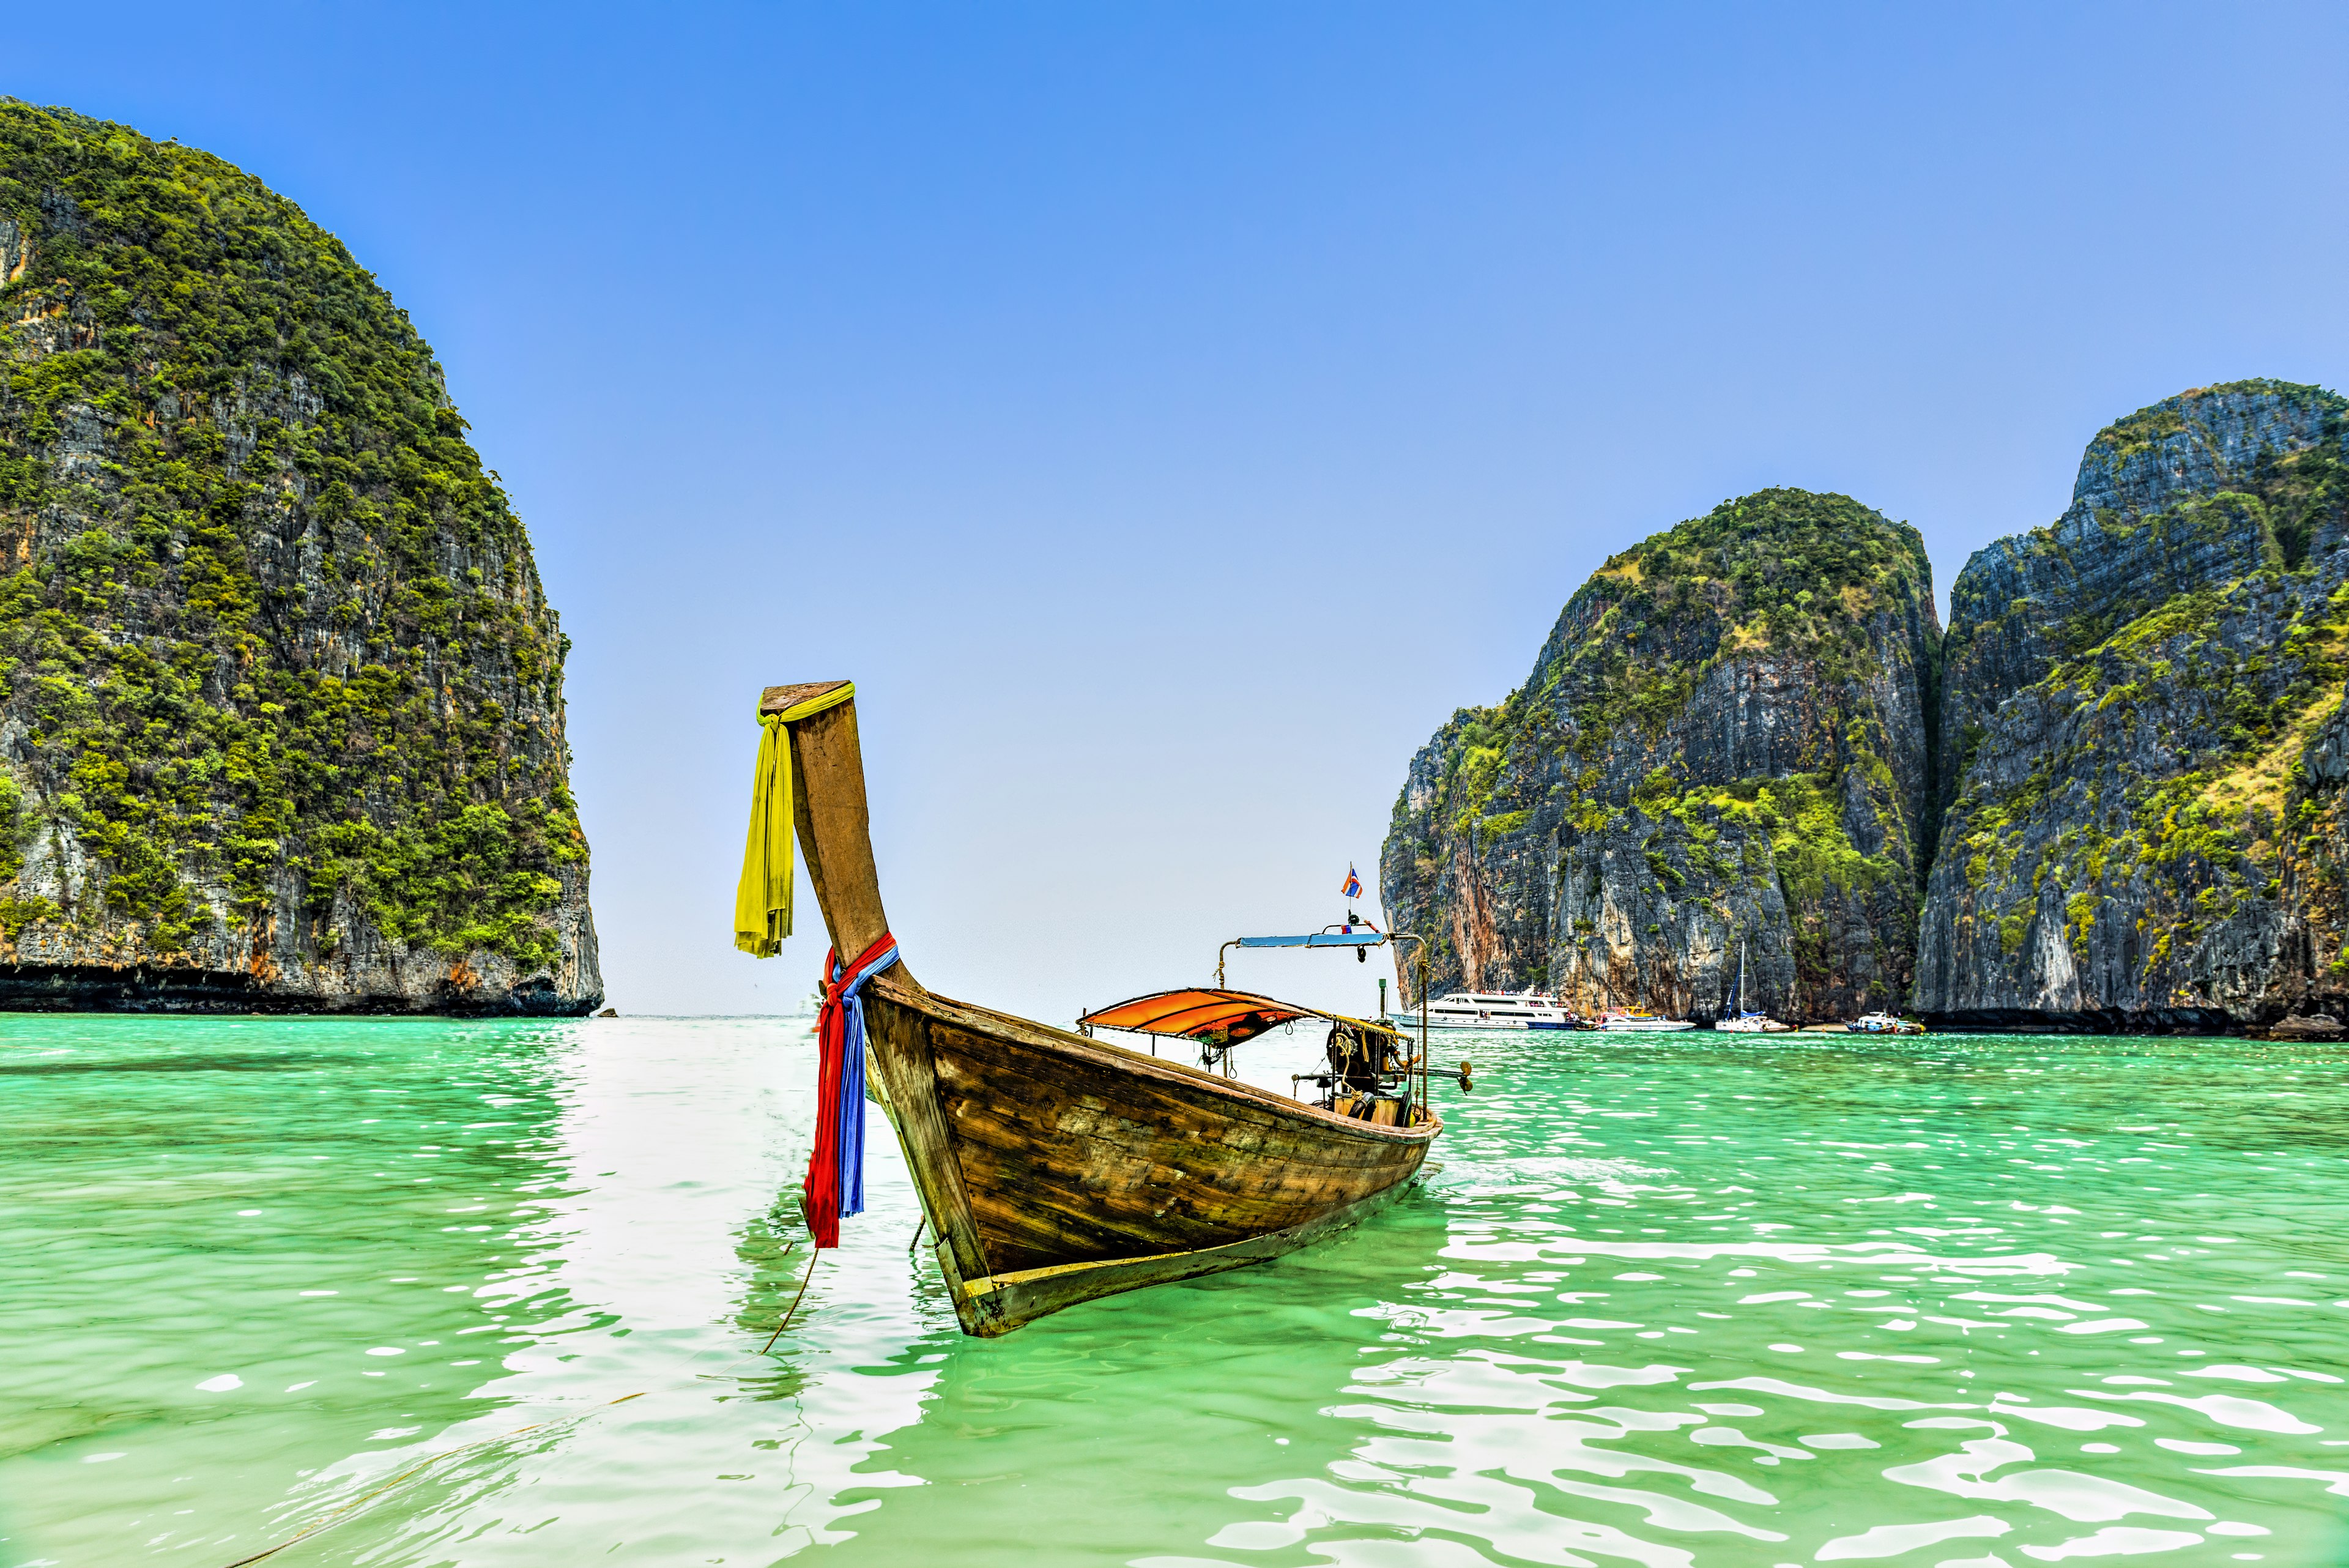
1353,887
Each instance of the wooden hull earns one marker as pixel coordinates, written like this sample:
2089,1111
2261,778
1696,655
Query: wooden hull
1055,1168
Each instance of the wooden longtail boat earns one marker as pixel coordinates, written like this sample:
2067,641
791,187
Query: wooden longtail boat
1053,1168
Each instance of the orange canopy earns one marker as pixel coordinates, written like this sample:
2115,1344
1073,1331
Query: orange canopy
1199,1012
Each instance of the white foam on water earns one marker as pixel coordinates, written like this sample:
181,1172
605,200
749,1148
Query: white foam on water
2239,1373
2116,1540
2042,1301
1892,1540
1821,1396
2086,1499
2071,1418
2227,1409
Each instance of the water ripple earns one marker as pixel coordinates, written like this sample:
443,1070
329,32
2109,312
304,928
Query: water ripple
1689,1302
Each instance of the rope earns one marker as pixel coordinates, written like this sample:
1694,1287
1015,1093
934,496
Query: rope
814,1253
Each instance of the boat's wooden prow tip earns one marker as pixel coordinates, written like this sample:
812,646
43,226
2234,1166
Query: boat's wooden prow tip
783,699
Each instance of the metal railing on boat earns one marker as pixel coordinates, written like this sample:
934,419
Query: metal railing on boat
1361,943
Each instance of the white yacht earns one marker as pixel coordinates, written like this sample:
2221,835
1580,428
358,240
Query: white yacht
1617,1018
1493,1009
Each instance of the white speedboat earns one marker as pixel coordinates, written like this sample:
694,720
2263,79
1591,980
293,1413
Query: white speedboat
1645,1022
1883,1024
1491,1009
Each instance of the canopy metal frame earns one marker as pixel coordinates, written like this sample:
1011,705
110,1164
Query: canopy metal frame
1344,937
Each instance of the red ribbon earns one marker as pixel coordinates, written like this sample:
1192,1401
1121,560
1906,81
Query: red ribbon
822,1188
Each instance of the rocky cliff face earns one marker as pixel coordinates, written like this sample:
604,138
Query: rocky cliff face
2127,767
2143,707
281,697
1726,741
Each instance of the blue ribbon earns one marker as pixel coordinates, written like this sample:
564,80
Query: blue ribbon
851,1078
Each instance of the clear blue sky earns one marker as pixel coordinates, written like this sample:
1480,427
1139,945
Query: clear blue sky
1168,414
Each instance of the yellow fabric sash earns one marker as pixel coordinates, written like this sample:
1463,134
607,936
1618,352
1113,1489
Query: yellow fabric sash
762,899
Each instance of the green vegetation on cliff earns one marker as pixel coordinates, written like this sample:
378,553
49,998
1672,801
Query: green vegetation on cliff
268,630
2173,778
2145,430
1786,568
1781,572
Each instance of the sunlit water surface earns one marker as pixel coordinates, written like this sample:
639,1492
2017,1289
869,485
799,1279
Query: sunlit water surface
496,1294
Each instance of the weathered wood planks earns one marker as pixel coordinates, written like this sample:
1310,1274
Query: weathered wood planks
1057,1168
1065,1167
1024,1295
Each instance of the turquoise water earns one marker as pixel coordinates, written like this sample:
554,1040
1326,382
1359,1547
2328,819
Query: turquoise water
1683,1301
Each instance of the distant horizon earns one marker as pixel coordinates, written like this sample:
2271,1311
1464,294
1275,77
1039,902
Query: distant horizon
1170,418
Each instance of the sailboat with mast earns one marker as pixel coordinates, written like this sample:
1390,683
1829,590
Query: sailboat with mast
1736,1019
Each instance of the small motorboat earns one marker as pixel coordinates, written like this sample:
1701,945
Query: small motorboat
1883,1024
1623,1019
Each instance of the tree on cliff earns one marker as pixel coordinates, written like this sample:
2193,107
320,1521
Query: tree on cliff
281,696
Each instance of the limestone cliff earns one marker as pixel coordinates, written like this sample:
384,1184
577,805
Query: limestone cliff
2144,723
1726,739
281,697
